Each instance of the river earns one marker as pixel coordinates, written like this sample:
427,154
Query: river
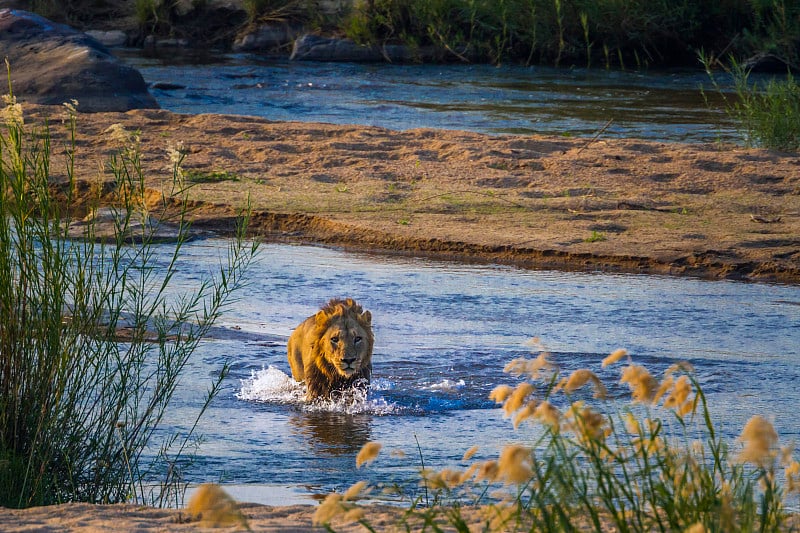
444,331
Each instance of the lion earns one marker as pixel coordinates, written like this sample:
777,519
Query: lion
332,350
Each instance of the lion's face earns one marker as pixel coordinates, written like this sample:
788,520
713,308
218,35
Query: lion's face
346,343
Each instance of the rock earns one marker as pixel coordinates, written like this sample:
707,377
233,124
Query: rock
52,64
167,86
310,47
266,37
111,38
153,42
769,64
105,222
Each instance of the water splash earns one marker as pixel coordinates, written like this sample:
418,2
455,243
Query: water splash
272,385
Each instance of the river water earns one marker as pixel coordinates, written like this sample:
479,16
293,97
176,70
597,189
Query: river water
444,331
662,105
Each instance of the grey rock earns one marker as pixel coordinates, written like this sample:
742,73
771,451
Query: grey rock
310,47
103,225
111,38
266,37
53,63
151,41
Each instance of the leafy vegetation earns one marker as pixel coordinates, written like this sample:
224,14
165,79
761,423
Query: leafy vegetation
654,463
92,347
213,176
609,33
767,113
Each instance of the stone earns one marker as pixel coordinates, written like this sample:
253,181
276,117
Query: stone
310,47
53,63
111,38
106,221
265,37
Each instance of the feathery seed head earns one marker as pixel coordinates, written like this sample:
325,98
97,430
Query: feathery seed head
368,453
614,356
760,441
469,454
517,397
642,384
500,393
548,414
514,465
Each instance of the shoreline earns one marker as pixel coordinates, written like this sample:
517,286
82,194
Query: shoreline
706,211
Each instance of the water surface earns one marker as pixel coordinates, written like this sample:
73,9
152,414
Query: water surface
443,333
658,105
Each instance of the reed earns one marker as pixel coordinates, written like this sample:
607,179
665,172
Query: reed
767,112
654,462
580,32
81,406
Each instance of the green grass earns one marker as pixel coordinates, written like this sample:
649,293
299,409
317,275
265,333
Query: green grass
212,176
80,410
766,113
651,461
596,236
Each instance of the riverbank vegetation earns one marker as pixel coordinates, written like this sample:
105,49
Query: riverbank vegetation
606,33
635,34
652,462
766,112
92,344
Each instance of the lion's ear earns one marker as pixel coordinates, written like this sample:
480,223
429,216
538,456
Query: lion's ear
366,316
320,318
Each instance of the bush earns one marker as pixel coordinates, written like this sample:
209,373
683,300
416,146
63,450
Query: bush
767,114
80,403
654,464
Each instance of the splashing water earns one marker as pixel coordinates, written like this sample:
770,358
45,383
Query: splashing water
272,385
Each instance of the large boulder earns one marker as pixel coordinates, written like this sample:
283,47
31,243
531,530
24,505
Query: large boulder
53,63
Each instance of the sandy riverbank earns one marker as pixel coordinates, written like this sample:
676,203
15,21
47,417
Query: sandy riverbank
628,205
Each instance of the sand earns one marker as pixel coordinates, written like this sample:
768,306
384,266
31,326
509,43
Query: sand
616,205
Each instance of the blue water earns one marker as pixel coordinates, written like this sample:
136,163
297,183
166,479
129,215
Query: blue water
444,331
443,334
662,106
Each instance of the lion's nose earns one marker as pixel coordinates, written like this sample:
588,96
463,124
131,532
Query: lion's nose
349,360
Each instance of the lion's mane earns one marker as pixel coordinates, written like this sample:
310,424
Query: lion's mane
332,350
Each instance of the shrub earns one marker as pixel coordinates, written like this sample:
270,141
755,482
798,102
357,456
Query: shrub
80,403
767,113
654,464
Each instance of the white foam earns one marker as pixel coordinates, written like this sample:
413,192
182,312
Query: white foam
274,386
271,385
447,385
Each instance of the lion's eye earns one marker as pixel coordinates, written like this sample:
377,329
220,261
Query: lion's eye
335,339
357,340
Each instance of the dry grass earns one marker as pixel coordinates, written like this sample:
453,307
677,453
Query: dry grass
647,460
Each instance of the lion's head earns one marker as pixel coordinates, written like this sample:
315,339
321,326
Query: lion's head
345,340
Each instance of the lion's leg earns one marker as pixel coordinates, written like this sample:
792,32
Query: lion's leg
295,353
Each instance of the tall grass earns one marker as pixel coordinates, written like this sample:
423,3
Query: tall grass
634,33
767,112
81,405
655,462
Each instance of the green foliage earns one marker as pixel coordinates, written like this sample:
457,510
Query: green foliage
596,236
635,33
213,176
767,113
80,403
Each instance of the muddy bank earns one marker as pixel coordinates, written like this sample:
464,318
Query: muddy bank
711,210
